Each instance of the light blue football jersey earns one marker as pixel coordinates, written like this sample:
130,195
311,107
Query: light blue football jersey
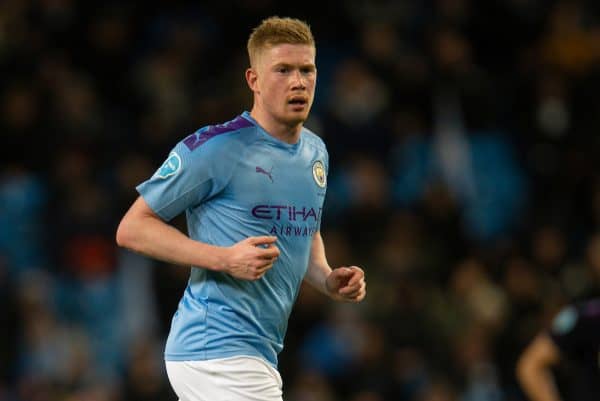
234,181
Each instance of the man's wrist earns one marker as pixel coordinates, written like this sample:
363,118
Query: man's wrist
218,259
326,285
329,290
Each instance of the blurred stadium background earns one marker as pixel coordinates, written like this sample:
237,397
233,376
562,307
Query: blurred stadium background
465,178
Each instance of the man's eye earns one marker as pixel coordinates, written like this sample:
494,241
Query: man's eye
282,70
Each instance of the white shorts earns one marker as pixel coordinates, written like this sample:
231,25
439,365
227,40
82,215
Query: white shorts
242,378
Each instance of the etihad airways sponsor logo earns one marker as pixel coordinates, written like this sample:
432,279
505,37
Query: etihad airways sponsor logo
293,230
286,212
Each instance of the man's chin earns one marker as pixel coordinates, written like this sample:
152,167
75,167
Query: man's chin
297,118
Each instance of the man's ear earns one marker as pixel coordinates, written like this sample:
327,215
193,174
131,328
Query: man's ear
251,79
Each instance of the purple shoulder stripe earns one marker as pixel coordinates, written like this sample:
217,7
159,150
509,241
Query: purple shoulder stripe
198,138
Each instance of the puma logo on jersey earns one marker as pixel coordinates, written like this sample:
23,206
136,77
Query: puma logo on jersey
265,172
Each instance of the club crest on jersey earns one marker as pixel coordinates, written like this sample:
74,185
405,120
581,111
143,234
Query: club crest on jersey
170,167
319,173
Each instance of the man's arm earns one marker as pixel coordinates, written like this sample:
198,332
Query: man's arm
342,284
143,231
534,369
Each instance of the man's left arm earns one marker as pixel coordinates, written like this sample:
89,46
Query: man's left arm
346,283
534,369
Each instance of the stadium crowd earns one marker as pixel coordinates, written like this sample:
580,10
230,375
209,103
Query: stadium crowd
465,178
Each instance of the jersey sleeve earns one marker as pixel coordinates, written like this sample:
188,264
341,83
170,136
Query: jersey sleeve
326,163
187,178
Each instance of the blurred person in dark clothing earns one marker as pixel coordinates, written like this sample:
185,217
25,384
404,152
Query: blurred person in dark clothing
573,344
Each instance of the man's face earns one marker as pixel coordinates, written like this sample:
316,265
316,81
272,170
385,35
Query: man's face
283,81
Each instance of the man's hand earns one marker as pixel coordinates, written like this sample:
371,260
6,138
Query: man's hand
347,284
250,259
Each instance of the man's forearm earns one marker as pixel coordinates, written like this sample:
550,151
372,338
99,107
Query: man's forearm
318,268
534,369
539,385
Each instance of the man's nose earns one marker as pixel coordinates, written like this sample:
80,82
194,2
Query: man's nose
298,80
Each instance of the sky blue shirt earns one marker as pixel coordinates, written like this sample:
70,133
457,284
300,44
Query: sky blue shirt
234,181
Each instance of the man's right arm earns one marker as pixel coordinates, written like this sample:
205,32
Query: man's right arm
143,231
534,369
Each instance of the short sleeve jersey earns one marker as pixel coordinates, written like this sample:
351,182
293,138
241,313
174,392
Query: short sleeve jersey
233,181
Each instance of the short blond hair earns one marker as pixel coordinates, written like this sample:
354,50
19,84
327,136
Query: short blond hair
276,31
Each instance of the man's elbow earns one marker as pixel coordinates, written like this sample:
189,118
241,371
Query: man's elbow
124,235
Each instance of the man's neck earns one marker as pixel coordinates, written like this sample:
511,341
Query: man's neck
283,132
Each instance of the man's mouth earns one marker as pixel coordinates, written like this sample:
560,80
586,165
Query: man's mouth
298,101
